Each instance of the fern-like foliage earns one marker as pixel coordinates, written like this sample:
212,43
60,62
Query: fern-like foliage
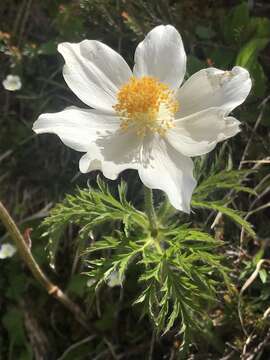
205,195
179,273
180,268
231,180
90,209
214,193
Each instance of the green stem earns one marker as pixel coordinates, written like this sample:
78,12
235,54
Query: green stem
33,266
150,211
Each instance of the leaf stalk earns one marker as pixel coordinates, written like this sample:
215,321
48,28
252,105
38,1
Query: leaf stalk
27,257
150,211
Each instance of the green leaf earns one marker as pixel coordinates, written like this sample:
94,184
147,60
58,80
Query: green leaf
259,79
107,242
259,27
249,52
235,24
194,239
259,255
232,214
263,275
223,180
89,208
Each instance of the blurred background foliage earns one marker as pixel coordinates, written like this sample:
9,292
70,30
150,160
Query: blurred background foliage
37,172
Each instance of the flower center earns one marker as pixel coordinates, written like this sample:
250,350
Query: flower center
146,105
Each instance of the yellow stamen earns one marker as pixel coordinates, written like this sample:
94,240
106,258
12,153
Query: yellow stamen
146,105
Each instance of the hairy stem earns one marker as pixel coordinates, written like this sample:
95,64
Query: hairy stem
38,274
150,211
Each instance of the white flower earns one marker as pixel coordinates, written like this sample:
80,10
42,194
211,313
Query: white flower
7,251
114,279
90,282
143,119
12,83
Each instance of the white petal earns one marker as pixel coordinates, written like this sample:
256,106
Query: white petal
7,251
166,169
199,133
161,55
114,279
94,72
112,154
12,83
77,128
214,88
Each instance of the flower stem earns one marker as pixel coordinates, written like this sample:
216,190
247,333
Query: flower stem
150,211
39,275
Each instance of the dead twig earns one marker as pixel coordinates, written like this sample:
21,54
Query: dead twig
248,282
263,161
258,350
76,345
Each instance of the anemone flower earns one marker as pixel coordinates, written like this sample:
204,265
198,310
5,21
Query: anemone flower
12,83
146,119
7,251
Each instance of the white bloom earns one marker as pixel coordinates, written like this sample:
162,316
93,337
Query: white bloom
7,251
114,279
143,119
12,83
90,282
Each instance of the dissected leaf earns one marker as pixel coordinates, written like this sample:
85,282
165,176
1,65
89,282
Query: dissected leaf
232,214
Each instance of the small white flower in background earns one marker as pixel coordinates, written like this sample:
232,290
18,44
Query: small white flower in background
143,119
7,251
90,282
114,279
12,83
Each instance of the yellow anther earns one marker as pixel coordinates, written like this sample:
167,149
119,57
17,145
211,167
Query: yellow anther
146,105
